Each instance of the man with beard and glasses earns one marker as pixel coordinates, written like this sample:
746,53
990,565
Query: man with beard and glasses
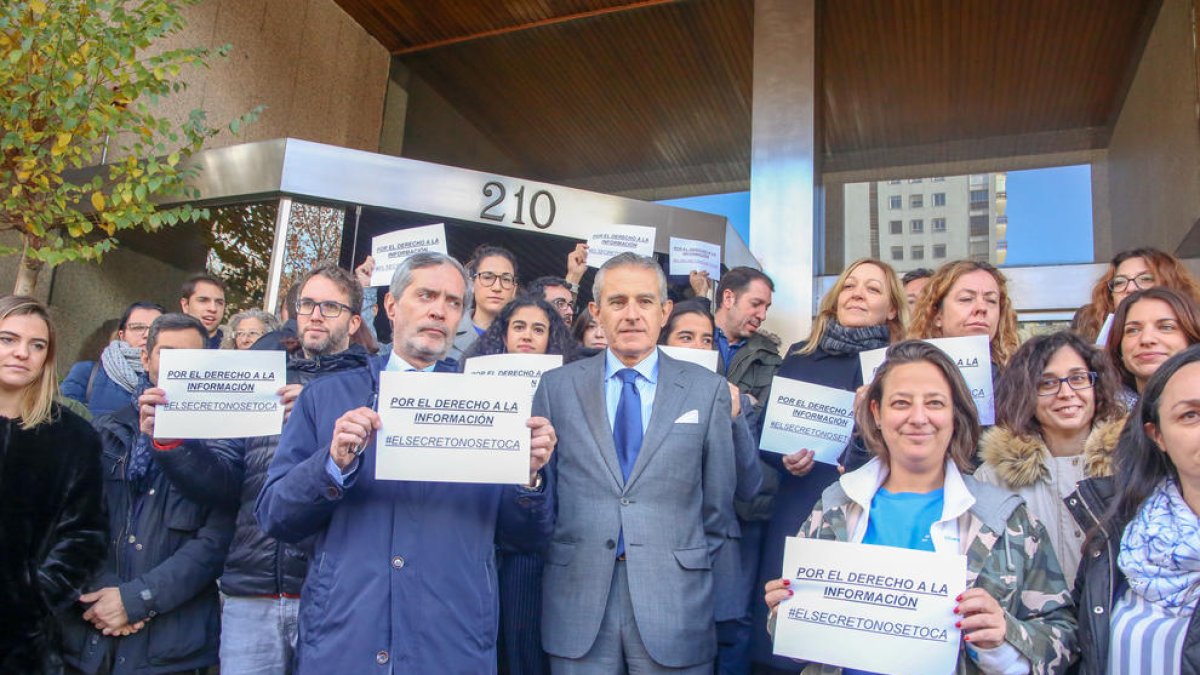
403,573
263,576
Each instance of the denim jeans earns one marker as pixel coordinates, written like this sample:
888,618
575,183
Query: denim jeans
258,635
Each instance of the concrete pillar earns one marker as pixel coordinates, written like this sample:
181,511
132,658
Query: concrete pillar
784,171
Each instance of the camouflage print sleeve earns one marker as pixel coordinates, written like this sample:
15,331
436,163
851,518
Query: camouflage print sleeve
1040,617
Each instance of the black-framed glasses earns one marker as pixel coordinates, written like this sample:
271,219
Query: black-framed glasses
1141,282
489,279
1049,386
330,309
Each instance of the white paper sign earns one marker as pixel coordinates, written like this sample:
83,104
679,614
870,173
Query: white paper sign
393,248
898,601
452,428
1102,336
803,415
523,367
705,358
220,393
972,353
689,255
617,239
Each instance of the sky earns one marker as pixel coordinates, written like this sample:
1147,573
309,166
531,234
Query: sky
1049,214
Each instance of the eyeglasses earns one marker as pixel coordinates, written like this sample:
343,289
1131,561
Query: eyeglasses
137,328
330,309
1049,386
251,333
1141,282
489,279
560,303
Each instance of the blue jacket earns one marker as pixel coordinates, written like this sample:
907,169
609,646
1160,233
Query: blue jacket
166,554
402,577
107,395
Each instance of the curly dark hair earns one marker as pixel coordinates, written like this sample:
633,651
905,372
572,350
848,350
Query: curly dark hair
1016,389
493,339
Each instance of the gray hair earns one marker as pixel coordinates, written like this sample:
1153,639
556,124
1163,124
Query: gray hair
269,321
402,278
630,259
173,322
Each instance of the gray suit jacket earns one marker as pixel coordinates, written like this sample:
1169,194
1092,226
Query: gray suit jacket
675,509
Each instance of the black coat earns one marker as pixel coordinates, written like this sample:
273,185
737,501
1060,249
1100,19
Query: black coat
52,533
165,556
797,495
1098,580
233,472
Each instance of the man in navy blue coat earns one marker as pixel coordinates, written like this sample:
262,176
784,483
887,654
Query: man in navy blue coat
402,578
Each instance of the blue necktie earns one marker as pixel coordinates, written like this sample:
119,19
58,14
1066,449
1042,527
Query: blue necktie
627,432
627,426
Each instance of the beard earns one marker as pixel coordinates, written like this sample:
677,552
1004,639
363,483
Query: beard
324,344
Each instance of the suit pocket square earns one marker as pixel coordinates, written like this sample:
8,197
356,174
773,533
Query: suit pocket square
689,417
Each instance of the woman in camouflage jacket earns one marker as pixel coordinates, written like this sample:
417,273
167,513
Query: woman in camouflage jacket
920,421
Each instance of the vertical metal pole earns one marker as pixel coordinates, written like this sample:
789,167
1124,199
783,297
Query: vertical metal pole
783,163
278,251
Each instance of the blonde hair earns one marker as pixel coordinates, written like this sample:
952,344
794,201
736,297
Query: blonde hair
929,305
37,401
828,309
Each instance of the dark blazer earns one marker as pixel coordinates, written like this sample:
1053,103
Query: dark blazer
675,510
53,534
165,556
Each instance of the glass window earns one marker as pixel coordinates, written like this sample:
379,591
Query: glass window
979,197
939,199
916,226
894,202
916,201
918,253
896,226
939,224
897,253
939,250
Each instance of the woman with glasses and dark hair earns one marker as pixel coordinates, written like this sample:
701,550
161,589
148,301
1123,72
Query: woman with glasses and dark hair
1128,272
1058,420
53,530
920,421
1148,328
1139,584
493,272
106,384
527,325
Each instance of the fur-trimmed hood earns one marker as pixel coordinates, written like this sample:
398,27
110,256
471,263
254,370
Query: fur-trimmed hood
1019,460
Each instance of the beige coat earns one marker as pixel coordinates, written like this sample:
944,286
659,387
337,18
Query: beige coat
1024,465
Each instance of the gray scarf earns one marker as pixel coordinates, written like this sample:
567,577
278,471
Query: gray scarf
122,363
838,339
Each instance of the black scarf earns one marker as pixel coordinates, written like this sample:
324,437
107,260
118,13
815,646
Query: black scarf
837,339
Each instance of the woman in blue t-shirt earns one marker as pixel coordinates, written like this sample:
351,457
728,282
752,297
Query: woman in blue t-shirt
920,422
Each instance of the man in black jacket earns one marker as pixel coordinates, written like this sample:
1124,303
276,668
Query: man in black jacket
154,607
263,576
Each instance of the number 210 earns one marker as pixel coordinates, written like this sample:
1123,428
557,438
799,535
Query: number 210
494,209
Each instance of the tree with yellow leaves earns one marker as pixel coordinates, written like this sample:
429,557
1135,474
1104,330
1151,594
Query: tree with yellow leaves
80,82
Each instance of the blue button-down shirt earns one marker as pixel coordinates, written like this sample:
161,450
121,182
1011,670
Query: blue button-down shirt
646,383
727,348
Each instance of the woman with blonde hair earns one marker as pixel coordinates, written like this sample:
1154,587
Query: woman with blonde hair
865,309
919,419
965,297
53,529
1128,272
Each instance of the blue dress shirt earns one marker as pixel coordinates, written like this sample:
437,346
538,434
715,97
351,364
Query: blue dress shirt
646,383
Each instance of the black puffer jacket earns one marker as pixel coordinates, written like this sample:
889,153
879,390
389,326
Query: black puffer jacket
165,555
53,534
233,472
1098,579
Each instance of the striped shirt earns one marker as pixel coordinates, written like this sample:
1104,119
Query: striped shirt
1146,637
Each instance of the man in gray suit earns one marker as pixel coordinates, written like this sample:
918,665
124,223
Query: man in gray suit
644,480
